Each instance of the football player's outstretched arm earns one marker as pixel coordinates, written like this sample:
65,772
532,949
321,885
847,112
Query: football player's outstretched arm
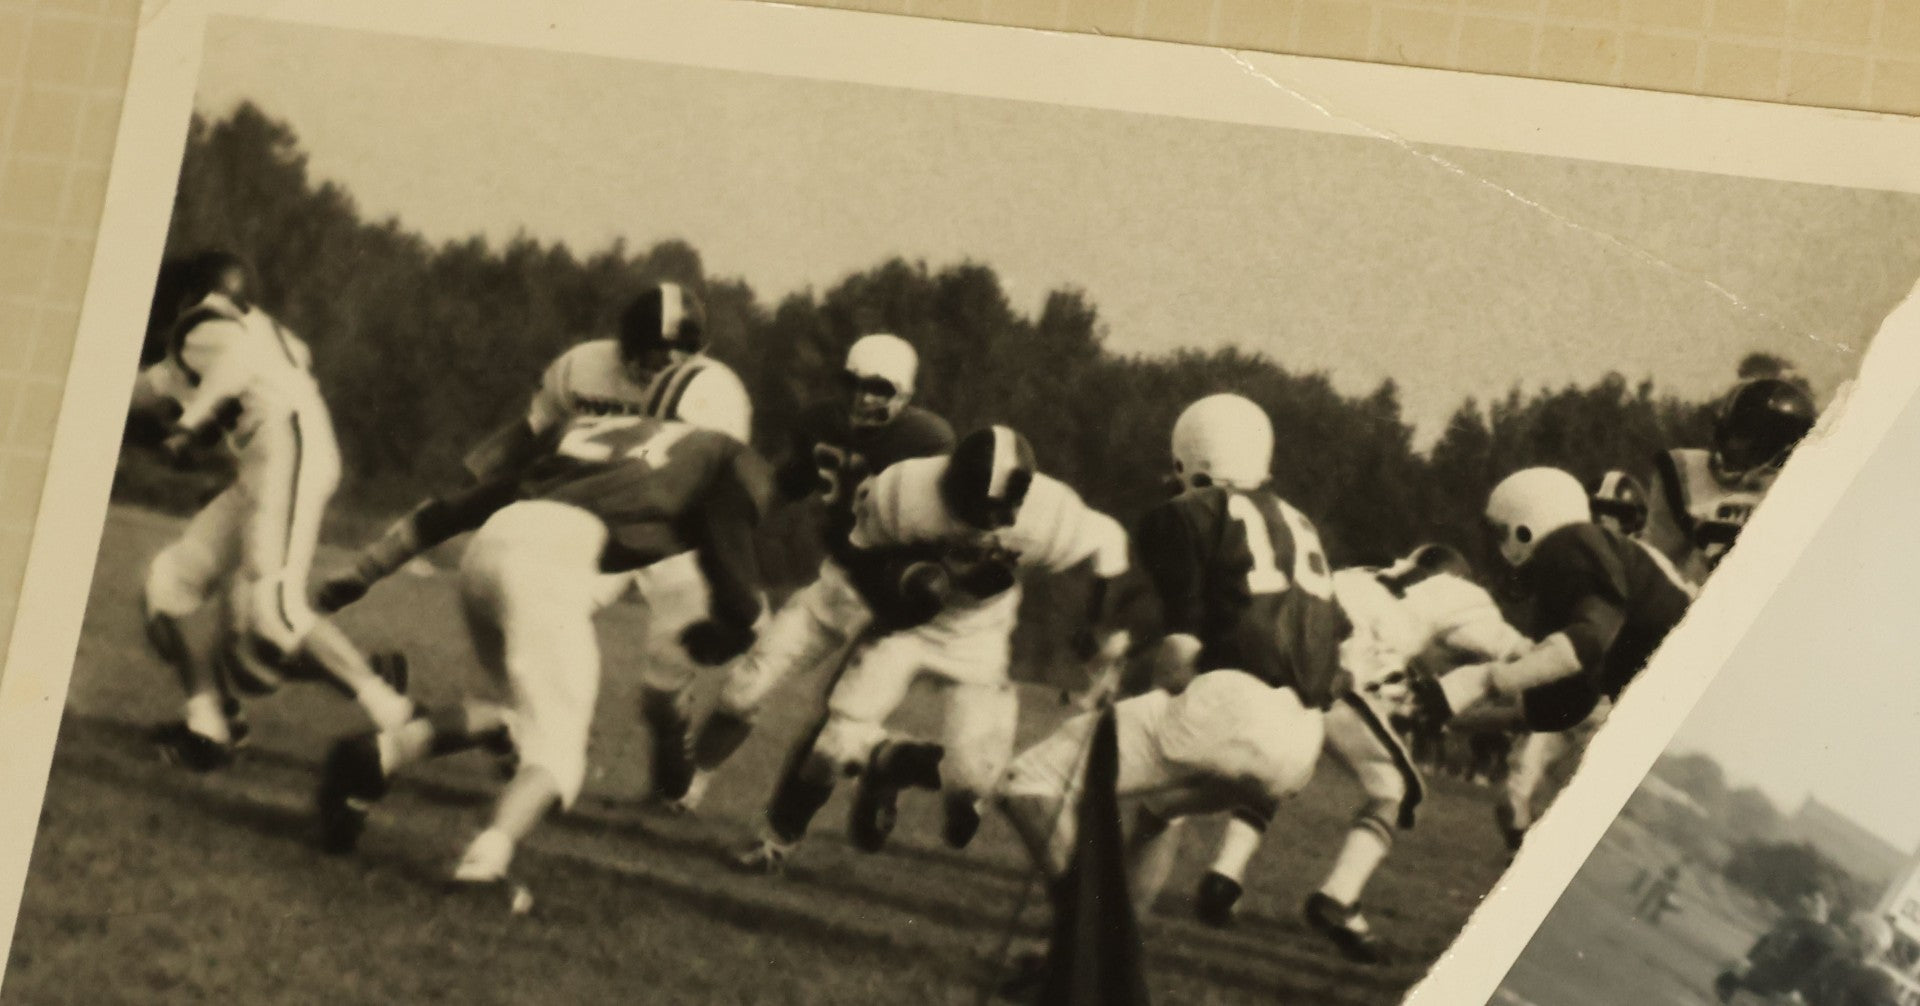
513,446
723,538
422,528
1572,649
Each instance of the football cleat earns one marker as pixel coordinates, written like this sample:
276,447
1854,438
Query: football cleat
891,767
1216,898
689,801
1343,925
766,855
180,745
962,822
875,811
350,784
239,730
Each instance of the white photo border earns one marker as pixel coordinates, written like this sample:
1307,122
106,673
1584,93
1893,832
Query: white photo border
1411,106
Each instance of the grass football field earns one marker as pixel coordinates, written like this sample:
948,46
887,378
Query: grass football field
1593,951
151,884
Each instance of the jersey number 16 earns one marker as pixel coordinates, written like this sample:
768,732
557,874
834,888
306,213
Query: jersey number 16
1311,572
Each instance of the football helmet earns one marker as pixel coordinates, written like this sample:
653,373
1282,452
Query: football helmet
1439,560
1531,504
1225,440
1758,424
1621,498
1871,933
664,325
217,272
987,477
879,377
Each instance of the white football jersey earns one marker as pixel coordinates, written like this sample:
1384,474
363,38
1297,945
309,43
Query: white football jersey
225,361
1055,529
1695,514
591,380
1396,618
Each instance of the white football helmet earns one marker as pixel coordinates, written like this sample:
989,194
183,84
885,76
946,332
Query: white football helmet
1223,440
1872,934
1531,504
881,370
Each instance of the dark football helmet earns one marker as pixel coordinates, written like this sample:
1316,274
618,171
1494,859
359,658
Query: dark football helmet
1759,423
666,319
988,476
1621,497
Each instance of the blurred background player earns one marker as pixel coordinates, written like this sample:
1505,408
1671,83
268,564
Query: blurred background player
1242,631
616,495
232,371
1701,499
657,366
1425,607
1598,605
979,516
837,444
1618,503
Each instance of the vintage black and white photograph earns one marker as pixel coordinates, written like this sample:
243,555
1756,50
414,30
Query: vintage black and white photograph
601,527
1771,855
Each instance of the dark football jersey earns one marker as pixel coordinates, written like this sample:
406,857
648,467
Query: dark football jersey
1579,579
831,457
1245,574
661,489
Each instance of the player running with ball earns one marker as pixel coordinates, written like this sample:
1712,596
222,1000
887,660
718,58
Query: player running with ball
616,495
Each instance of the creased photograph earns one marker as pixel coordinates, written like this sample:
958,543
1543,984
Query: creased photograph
691,502
1771,854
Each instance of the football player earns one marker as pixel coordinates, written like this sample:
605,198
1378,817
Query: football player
615,495
1599,605
232,372
657,366
1424,608
1244,634
975,519
1701,499
1619,504
836,446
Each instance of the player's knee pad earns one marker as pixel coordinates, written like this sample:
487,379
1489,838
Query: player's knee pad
180,580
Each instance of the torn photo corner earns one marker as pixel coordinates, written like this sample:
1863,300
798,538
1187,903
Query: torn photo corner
372,278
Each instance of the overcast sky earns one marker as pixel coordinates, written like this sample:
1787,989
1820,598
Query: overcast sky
1824,695
1341,254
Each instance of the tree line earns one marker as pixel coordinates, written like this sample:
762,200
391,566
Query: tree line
422,348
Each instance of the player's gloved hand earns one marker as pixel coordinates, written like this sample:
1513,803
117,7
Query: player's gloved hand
713,643
338,590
